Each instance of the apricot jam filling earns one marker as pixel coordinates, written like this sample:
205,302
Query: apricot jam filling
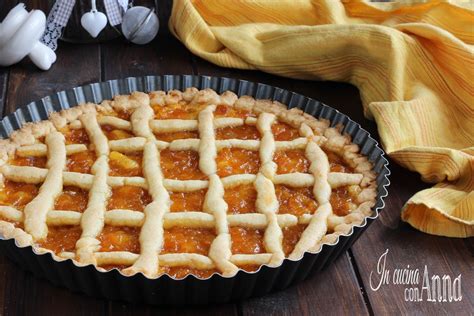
181,110
17,194
181,272
295,201
38,162
181,165
15,223
113,133
76,136
188,240
61,238
129,197
123,114
116,238
341,201
80,162
125,165
169,137
229,111
247,240
72,199
289,161
337,164
237,161
284,132
291,236
238,132
241,199
187,201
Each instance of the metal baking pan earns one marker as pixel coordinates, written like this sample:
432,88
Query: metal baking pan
190,290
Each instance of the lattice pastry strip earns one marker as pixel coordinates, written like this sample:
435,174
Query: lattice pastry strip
36,211
156,217
214,202
267,202
38,175
92,221
151,236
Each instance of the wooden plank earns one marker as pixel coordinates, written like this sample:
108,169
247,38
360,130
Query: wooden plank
27,83
205,68
3,87
122,309
24,294
409,247
333,291
164,55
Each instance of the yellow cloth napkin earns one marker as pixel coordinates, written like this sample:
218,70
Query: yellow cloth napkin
413,62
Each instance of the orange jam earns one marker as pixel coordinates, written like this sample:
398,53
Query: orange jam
39,162
247,240
282,132
291,161
291,236
230,111
238,132
237,161
341,200
15,223
336,163
115,238
113,133
72,199
181,165
181,110
76,136
125,165
123,114
18,194
188,240
187,201
61,238
181,272
80,162
241,199
129,197
295,201
168,137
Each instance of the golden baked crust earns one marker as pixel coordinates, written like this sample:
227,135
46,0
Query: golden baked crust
316,140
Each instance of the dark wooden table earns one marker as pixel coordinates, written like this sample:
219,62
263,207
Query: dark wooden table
343,288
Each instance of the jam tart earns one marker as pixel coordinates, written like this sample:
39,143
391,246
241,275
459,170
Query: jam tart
181,183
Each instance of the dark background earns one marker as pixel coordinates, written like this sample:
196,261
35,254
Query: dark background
342,288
